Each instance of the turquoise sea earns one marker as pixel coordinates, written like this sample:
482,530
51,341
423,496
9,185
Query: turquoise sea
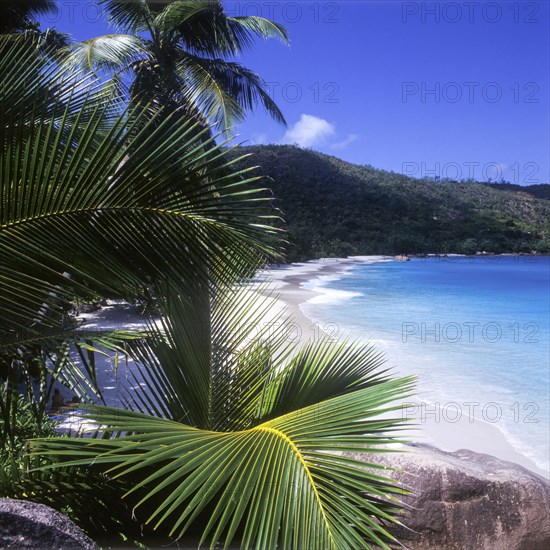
475,330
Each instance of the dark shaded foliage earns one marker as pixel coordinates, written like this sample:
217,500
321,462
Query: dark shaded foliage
20,15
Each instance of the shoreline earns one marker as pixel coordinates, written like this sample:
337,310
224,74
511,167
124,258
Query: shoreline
468,433
287,288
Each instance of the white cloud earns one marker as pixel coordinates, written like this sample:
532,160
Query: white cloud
309,131
345,142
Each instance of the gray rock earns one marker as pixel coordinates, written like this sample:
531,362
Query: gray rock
25,524
468,501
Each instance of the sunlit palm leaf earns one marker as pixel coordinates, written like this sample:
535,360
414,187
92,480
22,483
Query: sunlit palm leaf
182,64
224,91
110,51
258,439
281,481
205,361
322,370
260,26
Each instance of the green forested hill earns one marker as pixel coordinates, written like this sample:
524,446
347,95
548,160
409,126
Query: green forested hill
334,208
539,191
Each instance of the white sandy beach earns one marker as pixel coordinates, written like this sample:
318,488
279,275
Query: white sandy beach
288,290
466,433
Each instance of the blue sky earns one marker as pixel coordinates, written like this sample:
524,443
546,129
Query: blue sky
456,89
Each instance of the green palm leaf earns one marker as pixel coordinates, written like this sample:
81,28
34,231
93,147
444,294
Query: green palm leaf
252,438
183,63
132,16
95,202
111,51
240,429
282,481
246,27
205,29
87,210
34,86
224,91
320,371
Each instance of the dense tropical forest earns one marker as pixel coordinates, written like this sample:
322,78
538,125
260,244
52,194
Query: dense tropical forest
114,186
334,208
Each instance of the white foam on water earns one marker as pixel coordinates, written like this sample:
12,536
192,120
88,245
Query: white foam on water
465,372
327,295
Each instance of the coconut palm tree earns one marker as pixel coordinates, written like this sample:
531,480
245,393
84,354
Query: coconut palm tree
179,55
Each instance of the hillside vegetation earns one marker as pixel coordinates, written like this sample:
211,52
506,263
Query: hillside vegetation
335,208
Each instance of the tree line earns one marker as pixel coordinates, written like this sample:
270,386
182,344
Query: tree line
335,208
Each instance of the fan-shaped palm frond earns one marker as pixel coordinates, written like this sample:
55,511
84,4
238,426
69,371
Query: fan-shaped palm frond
258,441
205,352
282,481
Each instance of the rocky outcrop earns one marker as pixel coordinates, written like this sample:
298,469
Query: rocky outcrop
25,524
468,501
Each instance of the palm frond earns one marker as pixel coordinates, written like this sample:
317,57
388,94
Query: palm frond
86,210
110,51
252,438
130,16
322,370
51,42
246,25
16,14
200,25
206,30
223,90
182,65
206,360
97,203
282,482
34,85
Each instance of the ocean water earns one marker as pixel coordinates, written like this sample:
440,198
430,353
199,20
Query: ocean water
474,329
